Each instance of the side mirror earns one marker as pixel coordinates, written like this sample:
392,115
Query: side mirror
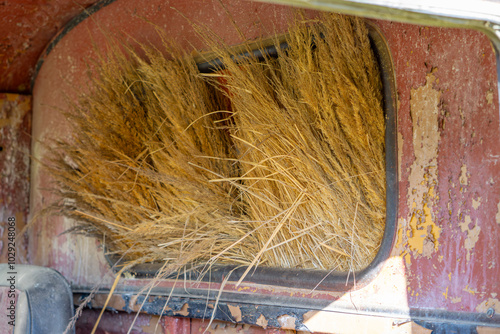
34,299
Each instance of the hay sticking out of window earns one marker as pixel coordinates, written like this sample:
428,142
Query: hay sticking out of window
309,129
290,173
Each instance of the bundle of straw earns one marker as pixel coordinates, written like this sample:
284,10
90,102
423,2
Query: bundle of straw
309,128
127,173
291,174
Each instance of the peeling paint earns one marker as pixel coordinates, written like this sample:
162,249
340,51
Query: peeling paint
490,303
456,300
489,97
476,203
472,237
423,233
407,258
464,226
464,179
470,290
235,312
401,240
262,321
472,234
184,311
286,321
445,294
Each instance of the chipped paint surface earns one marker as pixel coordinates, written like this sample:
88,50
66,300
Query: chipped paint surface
472,234
464,179
423,233
472,237
287,321
184,311
235,312
262,321
476,203
493,303
489,97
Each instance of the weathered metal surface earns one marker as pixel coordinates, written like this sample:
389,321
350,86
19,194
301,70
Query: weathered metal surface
449,166
446,256
15,145
117,322
25,29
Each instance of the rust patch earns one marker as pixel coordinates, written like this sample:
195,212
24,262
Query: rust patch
235,312
286,321
262,321
422,232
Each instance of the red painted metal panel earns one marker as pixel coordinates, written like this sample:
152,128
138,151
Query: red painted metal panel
449,186
25,29
15,145
120,322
